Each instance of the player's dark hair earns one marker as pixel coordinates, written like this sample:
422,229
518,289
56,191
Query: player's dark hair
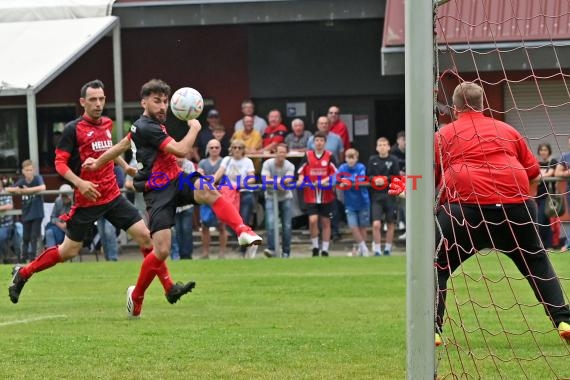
92,84
155,86
401,134
320,134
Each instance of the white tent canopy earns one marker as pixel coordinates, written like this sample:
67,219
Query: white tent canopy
40,10
42,38
38,51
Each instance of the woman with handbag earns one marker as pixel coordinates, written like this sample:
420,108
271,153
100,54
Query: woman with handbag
234,179
208,167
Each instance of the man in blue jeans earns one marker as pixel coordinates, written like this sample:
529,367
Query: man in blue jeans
55,229
277,173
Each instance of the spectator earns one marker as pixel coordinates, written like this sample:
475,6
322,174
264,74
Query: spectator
333,145
383,166
333,141
107,232
183,219
55,229
220,135
315,175
298,137
248,109
281,172
275,132
250,137
338,126
563,170
206,134
29,185
209,166
138,200
399,151
544,188
236,173
6,224
356,200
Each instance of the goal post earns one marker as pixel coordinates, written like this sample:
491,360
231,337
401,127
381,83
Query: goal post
420,227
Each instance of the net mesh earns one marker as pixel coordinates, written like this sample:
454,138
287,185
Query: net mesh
495,325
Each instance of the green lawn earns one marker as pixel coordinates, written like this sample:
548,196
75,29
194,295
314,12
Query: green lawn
336,318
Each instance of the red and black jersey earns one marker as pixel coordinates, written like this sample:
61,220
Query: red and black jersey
149,139
274,134
316,169
83,138
480,160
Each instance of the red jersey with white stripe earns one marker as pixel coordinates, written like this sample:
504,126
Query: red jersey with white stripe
83,138
316,168
485,161
149,139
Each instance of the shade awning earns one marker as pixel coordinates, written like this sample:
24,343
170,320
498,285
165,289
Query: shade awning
38,51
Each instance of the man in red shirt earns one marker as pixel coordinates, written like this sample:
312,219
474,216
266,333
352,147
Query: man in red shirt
315,178
275,132
164,185
96,194
338,126
483,167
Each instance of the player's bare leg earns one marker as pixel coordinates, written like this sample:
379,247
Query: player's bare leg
227,214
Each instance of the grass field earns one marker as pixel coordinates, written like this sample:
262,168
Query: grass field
337,318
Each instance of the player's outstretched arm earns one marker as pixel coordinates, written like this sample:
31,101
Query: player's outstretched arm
183,147
110,155
129,170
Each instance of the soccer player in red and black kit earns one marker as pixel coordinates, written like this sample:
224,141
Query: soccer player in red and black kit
315,174
163,184
96,194
484,167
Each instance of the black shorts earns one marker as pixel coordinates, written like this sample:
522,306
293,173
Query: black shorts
119,212
322,209
161,203
384,208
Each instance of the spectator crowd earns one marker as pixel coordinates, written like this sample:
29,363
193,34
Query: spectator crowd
269,149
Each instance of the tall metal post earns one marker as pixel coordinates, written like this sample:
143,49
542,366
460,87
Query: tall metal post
419,205
118,80
33,127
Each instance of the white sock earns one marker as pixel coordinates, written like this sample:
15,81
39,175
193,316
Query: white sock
325,246
377,247
315,242
388,247
363,247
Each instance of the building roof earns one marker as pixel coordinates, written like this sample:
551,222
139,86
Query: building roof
467,21
505,35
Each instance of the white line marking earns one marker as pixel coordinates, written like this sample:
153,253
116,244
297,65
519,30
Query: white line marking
29,320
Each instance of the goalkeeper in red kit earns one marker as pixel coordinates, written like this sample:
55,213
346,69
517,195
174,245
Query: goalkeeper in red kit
484,168
96,195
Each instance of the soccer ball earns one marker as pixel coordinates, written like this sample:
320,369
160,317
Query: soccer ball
186,103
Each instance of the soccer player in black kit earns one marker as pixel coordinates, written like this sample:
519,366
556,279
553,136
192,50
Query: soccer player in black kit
163,186
96,194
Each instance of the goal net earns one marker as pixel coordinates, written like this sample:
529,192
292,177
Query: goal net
519,52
